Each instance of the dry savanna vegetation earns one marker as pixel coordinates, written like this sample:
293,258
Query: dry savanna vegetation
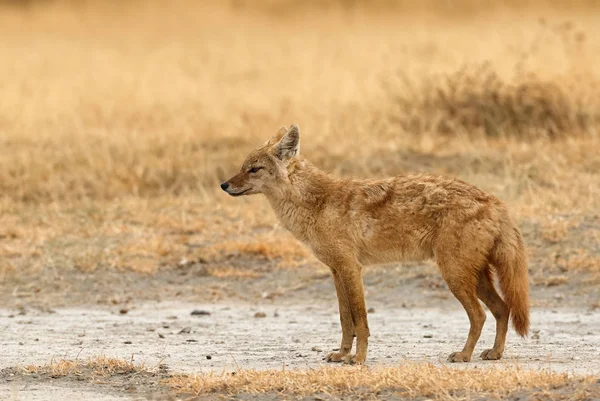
118,120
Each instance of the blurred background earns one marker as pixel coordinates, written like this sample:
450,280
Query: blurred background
118,120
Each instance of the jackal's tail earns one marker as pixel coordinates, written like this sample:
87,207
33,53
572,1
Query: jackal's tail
508,257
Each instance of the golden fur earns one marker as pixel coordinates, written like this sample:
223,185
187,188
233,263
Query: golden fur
350,223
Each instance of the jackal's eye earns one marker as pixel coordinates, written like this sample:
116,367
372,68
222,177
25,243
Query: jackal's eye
254,169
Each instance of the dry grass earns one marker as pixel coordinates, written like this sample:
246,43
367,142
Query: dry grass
97,367
118,121
409,381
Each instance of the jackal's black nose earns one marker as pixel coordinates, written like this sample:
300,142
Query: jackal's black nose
224,186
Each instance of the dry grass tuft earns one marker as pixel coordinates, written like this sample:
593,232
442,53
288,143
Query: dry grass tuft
410,380
97,367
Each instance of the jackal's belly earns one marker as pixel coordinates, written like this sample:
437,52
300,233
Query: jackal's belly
401,252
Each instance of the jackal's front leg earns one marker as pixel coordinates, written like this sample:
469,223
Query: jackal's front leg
345,320
353,284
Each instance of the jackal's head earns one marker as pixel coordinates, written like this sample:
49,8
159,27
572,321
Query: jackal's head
265,168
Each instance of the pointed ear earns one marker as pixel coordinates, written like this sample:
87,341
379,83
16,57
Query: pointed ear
289,145
280,133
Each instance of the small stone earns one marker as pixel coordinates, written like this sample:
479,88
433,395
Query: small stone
172,317
428,336
161,335
198,312
123,311
371,310
20,343
316,349
191,340
260,315
185,330
126,342
208,357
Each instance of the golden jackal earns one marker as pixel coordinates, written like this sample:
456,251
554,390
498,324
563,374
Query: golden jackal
350,223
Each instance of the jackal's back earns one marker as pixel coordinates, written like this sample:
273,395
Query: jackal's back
402,218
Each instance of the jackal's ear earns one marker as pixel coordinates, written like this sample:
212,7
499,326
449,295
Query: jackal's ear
289,144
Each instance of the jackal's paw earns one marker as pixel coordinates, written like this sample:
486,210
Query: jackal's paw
335,357
354,359
491,354
459,357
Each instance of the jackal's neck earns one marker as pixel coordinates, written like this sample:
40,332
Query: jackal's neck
298,202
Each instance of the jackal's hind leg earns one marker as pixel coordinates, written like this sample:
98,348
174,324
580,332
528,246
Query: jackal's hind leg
488,294
464,287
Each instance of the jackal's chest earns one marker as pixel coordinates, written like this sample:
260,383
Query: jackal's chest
300,224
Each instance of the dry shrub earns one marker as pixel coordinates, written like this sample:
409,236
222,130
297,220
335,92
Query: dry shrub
476,100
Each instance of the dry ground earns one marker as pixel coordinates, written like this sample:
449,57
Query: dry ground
230,349
118,121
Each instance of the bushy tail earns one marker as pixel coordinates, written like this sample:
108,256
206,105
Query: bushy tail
508,256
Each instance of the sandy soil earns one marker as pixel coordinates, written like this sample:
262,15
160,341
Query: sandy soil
294,336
